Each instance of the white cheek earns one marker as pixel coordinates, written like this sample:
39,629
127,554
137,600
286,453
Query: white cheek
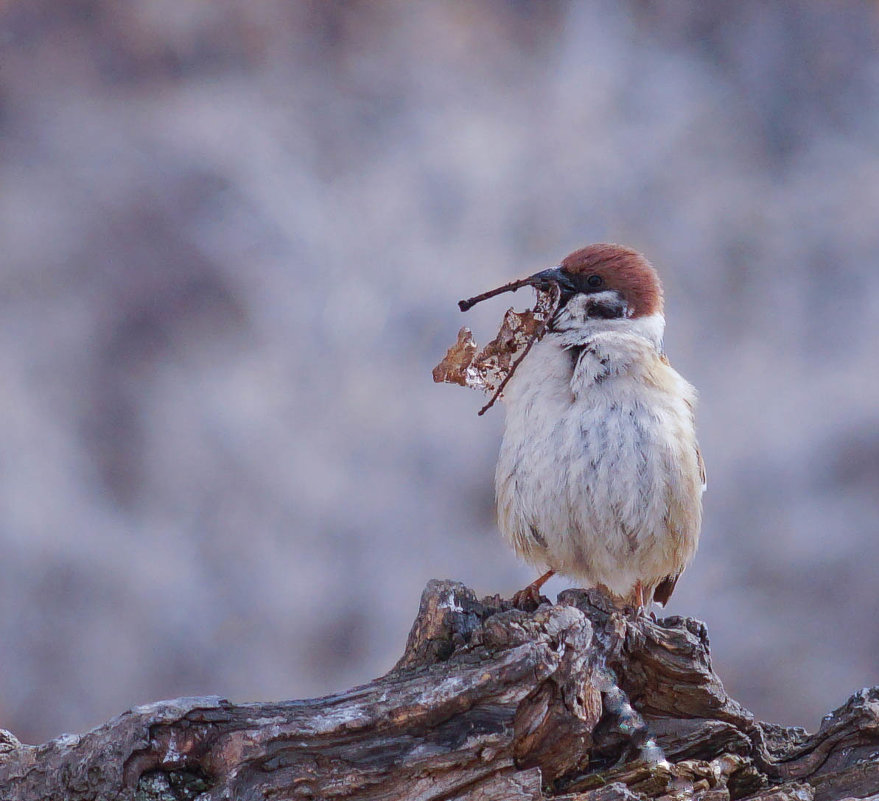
577,308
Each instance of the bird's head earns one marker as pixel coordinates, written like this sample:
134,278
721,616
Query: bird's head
607,281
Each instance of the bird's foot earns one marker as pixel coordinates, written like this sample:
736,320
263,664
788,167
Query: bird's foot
529,599
636,606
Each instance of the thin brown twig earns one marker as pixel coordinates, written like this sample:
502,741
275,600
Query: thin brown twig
557,295
465,305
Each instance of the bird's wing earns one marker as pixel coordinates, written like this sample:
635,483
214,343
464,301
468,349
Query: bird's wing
702,474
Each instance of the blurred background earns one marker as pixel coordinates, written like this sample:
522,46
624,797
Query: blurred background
233,238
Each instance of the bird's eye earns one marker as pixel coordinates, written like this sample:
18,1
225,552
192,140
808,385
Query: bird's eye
594,281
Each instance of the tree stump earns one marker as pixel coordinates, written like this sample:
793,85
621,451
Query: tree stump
573,701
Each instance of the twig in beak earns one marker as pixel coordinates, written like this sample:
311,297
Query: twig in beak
465,305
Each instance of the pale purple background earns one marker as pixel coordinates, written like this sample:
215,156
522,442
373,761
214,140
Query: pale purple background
233,236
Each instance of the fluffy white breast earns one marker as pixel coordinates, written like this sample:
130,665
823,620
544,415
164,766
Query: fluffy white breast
598,475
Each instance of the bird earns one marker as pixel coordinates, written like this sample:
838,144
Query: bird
600,476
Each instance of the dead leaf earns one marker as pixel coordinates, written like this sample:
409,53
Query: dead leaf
486,369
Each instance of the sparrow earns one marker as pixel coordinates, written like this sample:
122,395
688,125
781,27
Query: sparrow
600,476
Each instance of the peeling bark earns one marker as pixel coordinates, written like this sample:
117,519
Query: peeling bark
571,701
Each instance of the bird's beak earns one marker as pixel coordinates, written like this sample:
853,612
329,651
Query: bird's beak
554,275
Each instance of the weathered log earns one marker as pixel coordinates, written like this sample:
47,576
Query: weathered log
572,701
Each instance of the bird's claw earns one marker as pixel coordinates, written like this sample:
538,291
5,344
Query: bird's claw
528,599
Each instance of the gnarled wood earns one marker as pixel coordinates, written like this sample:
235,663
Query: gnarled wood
572,700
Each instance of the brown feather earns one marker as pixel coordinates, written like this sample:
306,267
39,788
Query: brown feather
664,589
622,269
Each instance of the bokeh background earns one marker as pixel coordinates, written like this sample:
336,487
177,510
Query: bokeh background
233,237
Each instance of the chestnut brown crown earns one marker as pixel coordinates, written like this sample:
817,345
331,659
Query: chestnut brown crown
604,266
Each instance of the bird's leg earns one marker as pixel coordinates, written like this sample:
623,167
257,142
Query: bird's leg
530,596
636,604
639,595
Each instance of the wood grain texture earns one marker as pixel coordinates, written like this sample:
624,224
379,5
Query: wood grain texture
572,701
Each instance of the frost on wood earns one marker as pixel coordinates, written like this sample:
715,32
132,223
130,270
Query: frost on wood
573,701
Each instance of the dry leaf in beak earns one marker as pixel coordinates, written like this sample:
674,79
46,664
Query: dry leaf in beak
488,369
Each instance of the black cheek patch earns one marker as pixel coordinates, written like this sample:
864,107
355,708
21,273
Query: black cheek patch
607,309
